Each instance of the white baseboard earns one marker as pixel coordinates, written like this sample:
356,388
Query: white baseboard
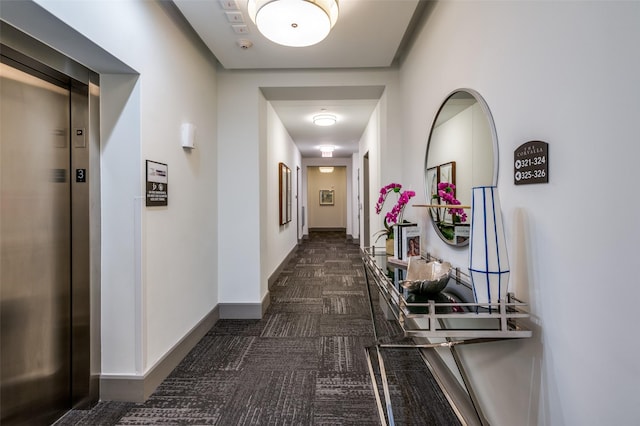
131,388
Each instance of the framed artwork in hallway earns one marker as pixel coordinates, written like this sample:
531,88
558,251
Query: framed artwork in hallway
326,197
284,193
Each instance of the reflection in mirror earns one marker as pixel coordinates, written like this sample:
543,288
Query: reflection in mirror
461,154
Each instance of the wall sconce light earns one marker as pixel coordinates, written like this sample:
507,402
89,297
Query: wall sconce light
324,119
326,169
295,23
188,135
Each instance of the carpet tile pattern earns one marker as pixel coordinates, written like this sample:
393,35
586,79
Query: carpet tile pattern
303,363
335,390
274,397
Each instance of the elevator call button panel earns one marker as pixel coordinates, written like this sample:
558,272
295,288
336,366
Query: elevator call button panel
79,140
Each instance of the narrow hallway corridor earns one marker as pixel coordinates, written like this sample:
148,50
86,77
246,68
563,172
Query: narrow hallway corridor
302,364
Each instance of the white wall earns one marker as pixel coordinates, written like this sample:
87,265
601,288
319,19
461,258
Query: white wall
158,264
242,119
383,141
356,198
307,197
370,144
327,216
281,239
121,303
567,73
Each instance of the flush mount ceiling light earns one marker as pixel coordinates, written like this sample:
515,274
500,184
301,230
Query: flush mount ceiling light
327,150
324,119
326,169
295,23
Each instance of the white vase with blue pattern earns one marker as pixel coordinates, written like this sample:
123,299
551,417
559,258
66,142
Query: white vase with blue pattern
488,259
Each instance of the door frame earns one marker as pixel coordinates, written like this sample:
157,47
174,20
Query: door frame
366,234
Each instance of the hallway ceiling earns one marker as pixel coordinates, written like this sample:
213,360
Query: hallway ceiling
368,34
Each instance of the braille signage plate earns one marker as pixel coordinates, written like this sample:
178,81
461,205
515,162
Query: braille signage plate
531,163
157,184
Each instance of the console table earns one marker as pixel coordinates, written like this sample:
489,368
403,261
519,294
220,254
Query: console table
443,320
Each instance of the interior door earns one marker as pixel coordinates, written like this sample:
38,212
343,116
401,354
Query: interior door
35,248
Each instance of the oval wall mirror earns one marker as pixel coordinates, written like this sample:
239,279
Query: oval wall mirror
462,153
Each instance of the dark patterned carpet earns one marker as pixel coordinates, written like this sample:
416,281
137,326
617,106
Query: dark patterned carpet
304,363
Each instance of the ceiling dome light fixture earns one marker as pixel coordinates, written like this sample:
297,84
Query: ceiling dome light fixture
324,120
295,23
327,150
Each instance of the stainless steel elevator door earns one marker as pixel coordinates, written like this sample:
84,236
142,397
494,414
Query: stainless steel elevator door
35,239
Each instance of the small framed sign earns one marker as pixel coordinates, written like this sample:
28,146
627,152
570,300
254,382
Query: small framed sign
157,184
531,163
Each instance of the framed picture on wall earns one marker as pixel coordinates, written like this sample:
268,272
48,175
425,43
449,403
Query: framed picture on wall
432,183
326,197
288,206
432,188
448,173
284,193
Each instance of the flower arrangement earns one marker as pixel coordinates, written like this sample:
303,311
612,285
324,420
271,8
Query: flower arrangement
395,214
445,193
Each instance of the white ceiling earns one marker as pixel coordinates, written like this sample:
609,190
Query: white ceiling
368,34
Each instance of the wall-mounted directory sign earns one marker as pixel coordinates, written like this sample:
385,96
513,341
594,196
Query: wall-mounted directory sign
531,163
157,184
